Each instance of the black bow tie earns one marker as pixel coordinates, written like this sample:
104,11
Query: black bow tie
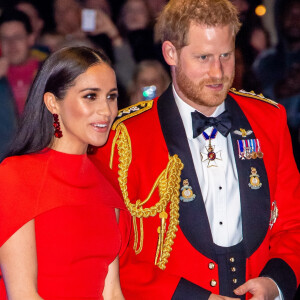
200,122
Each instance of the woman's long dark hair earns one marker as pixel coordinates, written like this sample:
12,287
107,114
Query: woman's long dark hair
56,76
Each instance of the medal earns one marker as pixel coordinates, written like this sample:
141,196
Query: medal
253,155
249,149
211,156
187,194
260,154
274,214
254,183
248,153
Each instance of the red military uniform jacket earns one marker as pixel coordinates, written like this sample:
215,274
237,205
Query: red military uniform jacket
171,254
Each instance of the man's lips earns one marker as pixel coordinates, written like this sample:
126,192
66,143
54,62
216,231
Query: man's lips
218,86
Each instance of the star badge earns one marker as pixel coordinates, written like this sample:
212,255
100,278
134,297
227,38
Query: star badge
211,156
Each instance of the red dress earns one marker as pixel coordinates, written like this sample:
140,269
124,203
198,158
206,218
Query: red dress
73,204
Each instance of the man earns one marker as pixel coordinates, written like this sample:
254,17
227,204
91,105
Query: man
213,200
38,50
36,21
16,40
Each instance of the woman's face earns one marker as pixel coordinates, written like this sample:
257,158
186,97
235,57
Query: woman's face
136,15
87,111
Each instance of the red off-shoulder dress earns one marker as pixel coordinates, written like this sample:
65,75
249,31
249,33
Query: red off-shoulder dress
73,205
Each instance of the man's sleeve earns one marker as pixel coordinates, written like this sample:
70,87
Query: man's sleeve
284,261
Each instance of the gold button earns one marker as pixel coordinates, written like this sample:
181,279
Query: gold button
231,259
213,282
211,266
234,280
233,269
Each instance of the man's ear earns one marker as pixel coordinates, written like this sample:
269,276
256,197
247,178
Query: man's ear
51,103
170,53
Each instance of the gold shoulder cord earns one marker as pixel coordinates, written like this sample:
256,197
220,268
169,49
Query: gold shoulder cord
168,183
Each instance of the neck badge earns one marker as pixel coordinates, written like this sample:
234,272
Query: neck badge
211,156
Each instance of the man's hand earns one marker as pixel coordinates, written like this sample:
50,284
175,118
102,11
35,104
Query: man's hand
219,297
262,288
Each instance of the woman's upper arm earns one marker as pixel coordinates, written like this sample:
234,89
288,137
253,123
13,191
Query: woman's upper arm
18,261
112,287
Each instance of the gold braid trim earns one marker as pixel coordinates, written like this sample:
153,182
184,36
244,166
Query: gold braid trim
168,183
253,95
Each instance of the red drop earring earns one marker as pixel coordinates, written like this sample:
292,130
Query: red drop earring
56,125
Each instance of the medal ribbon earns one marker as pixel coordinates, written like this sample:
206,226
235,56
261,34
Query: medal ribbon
250,146
211,136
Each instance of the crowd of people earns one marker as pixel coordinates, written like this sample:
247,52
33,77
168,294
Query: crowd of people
125,31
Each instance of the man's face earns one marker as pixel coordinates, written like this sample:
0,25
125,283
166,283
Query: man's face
291,23
67,16
36,22
204,70
15,42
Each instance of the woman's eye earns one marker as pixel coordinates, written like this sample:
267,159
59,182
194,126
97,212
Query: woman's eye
113,96
91,96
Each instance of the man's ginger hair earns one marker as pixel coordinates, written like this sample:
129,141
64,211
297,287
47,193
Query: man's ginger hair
174,22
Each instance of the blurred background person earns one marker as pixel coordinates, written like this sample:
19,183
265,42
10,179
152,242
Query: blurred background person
38,50
68,20
67,16
37,23
156,6
278,69
136,25
148,73
16,40
103,5
258,41
52,40
250,41
8,117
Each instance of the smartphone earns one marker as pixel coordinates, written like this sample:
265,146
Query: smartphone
88,20
149,92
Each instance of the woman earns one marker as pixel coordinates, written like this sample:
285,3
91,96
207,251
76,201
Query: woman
148,73
59,235
135,23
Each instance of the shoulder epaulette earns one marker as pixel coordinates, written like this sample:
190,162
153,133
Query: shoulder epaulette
251,94
132,111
